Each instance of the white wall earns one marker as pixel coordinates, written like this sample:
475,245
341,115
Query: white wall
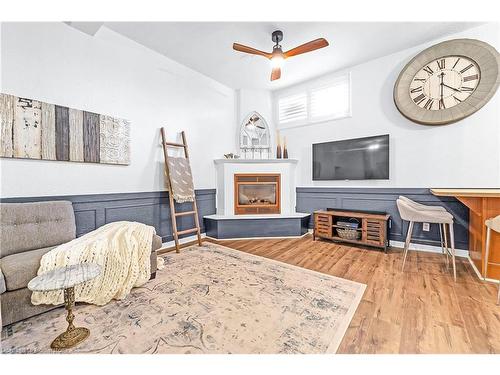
111,74
254,100
463,154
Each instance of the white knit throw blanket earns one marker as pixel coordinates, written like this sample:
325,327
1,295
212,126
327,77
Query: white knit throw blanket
122,249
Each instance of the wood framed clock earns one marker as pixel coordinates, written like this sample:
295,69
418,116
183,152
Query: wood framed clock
448,82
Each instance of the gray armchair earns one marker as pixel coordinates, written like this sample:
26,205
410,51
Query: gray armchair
27,232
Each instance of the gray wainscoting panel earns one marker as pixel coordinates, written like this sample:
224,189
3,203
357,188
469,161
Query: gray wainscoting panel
246,228
310,199
152,208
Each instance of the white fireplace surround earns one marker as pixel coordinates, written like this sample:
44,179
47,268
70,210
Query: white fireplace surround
227,168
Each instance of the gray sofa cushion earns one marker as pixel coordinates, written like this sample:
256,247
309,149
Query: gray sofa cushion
19,269
27,226
16,306
3,288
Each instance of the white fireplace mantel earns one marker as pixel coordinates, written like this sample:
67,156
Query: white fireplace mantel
227,168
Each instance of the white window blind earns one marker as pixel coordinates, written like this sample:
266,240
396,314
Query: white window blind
310,104
292,108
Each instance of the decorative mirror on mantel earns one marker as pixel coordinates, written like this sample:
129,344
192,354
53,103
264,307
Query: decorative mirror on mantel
254,137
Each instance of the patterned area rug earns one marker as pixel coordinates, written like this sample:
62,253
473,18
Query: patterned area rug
209,299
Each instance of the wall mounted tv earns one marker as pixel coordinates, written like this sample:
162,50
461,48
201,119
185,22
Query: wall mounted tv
352,159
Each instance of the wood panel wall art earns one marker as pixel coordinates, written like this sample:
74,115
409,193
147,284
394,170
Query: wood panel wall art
30,129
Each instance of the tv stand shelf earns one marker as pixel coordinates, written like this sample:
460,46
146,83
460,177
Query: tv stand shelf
373,227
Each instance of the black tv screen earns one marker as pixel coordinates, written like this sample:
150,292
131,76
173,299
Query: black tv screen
352,159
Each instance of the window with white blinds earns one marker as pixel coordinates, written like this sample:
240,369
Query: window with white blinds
292,108
329,101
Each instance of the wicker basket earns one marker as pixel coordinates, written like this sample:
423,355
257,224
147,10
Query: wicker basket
349,233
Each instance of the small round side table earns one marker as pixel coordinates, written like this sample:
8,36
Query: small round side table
67,278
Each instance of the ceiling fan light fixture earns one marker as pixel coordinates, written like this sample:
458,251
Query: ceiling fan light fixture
277,61
277,57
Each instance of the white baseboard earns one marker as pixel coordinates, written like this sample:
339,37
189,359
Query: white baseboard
428,248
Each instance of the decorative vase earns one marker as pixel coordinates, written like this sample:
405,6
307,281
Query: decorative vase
285,150
278,145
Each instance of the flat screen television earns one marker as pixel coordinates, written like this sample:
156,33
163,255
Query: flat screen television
352,159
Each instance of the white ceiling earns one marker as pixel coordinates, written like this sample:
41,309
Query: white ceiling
207,46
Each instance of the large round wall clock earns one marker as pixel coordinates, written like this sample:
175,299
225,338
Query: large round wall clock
448,81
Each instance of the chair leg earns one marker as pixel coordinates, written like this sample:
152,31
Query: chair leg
441,238
446,246
407,243
452,240
486,260
487,250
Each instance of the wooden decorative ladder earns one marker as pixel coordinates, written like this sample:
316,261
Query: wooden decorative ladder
174,215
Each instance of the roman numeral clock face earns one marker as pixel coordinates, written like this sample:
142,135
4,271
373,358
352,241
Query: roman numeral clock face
444,82
447,82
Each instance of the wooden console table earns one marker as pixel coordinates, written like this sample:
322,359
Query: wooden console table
373,227
483,204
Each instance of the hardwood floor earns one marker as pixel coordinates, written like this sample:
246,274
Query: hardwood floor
421,310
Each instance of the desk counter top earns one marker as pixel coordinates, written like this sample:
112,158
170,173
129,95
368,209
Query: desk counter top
480,193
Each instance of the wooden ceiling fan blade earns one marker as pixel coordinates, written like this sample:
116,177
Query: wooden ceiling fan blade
253,51
307,47
276,73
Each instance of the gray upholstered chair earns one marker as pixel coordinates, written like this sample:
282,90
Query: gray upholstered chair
420,206
414,212
27,232
424,207
491,224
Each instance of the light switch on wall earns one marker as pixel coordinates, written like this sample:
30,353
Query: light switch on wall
426,227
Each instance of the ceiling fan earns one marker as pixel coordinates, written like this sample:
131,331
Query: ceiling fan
278,56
